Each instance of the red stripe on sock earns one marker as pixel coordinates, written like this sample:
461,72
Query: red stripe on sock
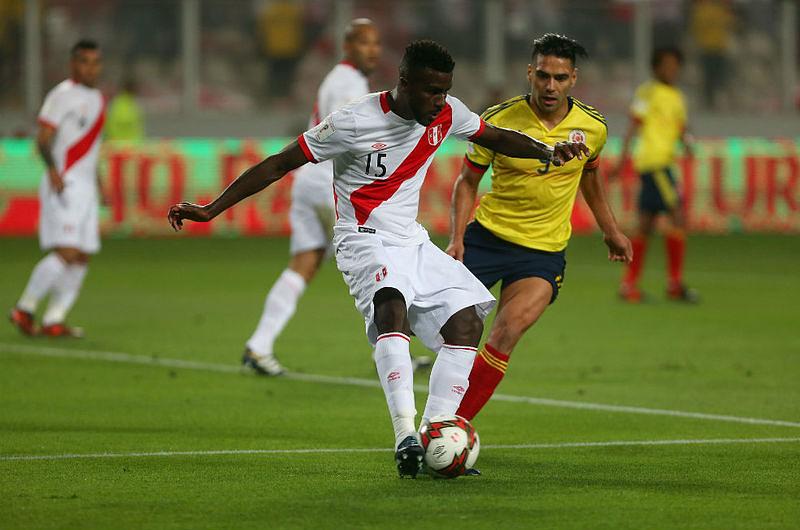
390,335
452,347
496,353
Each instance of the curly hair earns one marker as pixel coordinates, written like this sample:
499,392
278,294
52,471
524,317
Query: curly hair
426,54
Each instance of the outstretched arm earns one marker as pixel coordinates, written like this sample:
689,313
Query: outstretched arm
518,145
619,246
465,191
252,181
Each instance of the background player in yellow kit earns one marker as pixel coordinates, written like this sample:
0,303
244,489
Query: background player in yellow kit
658,117
522,226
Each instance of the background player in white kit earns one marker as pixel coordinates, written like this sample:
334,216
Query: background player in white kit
71,121
382,146
311,213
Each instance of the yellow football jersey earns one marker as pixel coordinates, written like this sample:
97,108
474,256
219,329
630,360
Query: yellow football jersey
661,110
530,202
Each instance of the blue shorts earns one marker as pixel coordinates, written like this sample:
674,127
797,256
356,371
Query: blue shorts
492,259
659,192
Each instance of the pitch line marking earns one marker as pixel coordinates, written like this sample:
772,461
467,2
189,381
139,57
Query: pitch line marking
564,445
69,353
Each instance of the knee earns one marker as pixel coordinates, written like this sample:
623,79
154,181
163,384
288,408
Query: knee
465,327
389,310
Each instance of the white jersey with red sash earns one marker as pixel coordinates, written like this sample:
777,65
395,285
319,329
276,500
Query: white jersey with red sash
70,219
77,113
380,161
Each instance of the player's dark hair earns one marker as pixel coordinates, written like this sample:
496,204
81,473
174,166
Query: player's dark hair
83,44
559,46
660,53
426,54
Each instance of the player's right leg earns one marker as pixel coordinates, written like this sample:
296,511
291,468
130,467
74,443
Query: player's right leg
393,363
43,277
651,203
377,277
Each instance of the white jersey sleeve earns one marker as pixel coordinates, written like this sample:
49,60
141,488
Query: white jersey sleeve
332,137
55,108
466,124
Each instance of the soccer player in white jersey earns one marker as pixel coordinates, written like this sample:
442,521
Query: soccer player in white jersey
311,213
381,146
71,121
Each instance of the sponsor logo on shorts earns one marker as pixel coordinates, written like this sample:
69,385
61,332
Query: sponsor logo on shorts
366,230
378,146
458,389
393,376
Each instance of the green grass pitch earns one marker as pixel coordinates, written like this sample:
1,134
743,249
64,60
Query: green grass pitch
160,301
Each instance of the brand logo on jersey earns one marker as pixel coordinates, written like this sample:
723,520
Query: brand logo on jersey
324,130
366,230
435,134
379,146
577,135
458,389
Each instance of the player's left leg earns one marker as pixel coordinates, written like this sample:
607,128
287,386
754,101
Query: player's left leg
279,307
675,242
449,379
521,304
311,217
65,293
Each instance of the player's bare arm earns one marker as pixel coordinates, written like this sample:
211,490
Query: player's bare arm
253,180
519,145
619,246
44,142
462,203
687,139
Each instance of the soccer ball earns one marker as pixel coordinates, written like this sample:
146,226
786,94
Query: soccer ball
451,446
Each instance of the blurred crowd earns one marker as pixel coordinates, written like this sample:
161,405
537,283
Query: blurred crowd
267,54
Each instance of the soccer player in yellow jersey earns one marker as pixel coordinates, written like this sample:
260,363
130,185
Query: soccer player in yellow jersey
658,117
522,226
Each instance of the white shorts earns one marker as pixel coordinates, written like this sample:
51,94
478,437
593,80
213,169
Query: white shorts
311,213
434,285
69,219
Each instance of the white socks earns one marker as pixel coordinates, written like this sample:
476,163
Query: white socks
279,307
449,380
64,293
44,276
393,361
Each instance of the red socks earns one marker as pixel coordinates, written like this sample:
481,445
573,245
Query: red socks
634,269
676,248
487,372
